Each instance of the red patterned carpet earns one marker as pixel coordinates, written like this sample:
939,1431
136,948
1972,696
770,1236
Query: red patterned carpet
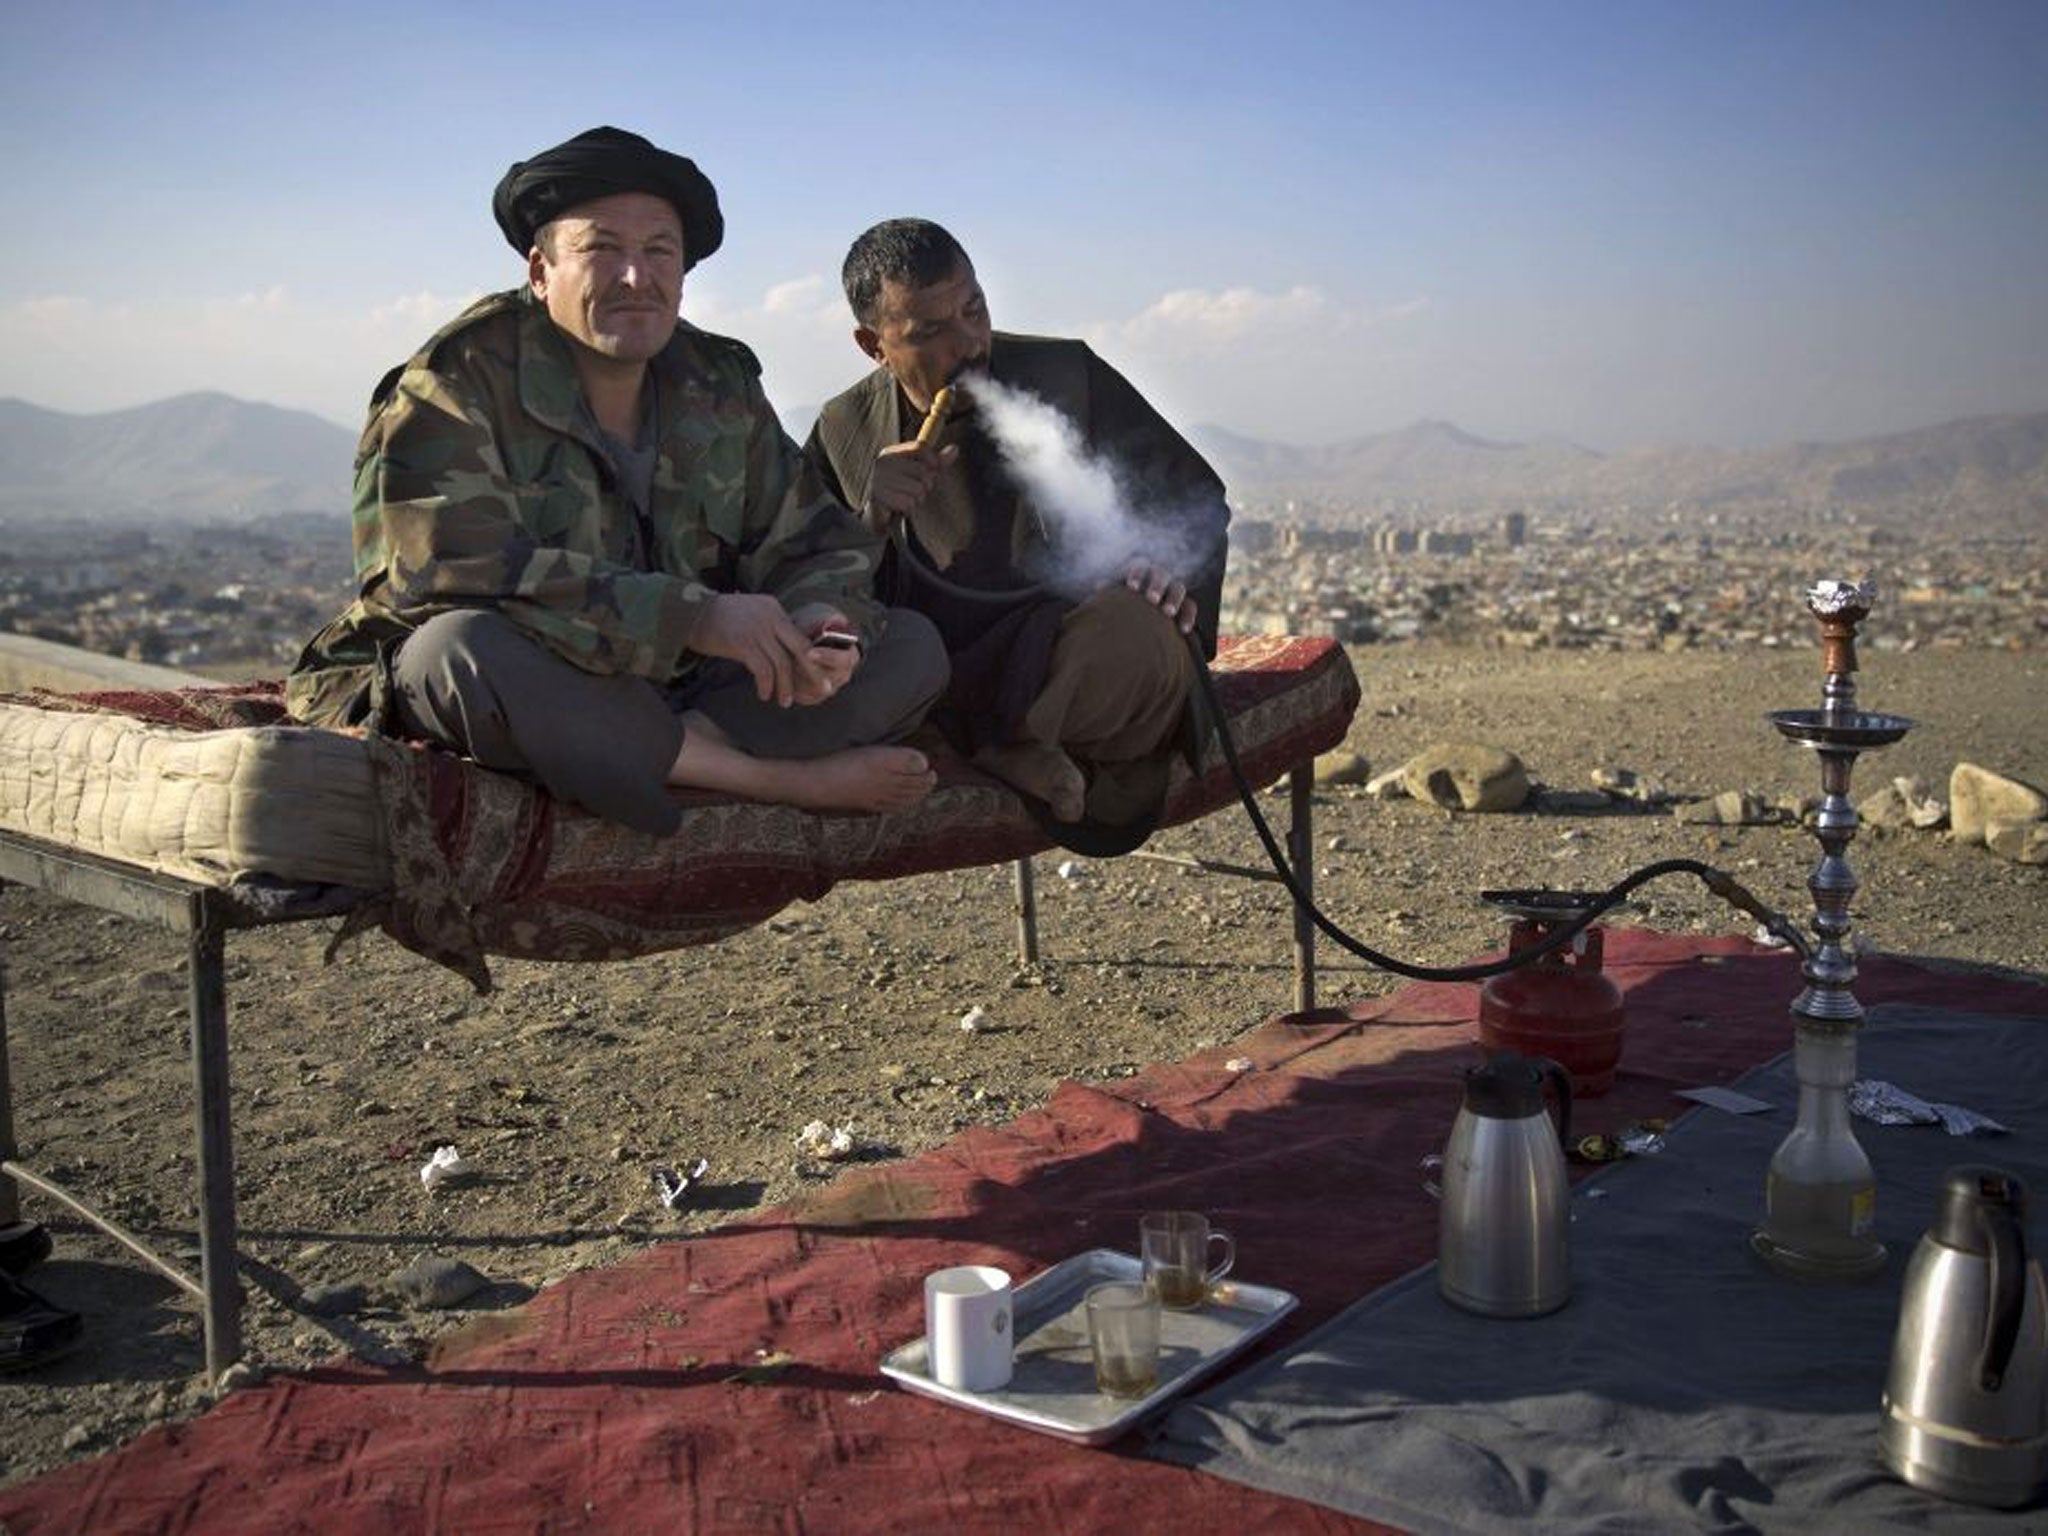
620,1400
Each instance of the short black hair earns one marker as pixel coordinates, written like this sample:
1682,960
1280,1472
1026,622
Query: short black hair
913,252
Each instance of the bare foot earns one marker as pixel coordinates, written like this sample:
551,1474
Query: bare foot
861,779
857,779
1046,773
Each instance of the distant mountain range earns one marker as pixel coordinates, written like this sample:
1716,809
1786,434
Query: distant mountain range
200,456
214,457
1986,464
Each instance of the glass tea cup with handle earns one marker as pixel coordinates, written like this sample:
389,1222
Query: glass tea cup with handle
1175,1247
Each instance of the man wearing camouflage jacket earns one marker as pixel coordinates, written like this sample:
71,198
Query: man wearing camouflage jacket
585,550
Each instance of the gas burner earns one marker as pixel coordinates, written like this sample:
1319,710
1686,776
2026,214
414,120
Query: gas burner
1543,906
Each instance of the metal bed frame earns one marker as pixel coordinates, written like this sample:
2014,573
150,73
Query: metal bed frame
204,915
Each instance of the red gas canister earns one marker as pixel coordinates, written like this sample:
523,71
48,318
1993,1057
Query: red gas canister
1560,1006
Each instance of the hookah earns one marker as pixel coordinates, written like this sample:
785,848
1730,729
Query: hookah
1820,1192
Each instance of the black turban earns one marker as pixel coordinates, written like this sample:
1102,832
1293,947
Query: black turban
598,163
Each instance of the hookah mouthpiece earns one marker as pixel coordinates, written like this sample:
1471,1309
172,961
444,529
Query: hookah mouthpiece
935,417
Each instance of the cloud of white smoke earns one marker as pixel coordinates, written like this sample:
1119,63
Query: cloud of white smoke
1086,509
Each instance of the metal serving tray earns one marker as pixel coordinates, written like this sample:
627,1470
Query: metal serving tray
1052,1388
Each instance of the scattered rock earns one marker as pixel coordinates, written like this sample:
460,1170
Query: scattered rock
1467,776
2024,842
1387,786
1977,797
1803,810
237,1376
1342,767
826,1143
1744,808
435,1282
1627,784
342,1298
976,1020
1731,808
1926,812
1903,803
77,1438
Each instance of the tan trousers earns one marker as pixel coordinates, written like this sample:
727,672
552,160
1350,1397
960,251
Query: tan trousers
1118,682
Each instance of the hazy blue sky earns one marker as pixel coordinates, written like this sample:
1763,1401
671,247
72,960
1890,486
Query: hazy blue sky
1623,222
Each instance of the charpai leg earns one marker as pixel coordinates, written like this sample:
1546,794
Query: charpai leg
1027,914
1301,852
218,1273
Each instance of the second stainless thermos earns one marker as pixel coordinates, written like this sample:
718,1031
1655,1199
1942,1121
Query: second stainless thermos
1503,1240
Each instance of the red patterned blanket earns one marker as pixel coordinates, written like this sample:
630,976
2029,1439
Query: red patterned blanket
483,863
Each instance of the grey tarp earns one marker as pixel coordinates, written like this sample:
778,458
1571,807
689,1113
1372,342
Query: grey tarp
1686,1387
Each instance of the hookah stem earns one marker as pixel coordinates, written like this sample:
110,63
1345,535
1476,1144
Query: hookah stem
1722,884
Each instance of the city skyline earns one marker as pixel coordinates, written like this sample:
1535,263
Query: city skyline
1736,224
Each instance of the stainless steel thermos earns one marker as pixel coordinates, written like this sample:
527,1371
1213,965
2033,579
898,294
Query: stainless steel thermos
1966,1402
1503,1239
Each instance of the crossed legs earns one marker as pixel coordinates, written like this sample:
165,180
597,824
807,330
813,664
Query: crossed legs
471,680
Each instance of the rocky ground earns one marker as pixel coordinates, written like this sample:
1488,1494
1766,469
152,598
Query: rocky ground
570,1084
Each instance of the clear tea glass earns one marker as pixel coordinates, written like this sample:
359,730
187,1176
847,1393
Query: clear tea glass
1123,1333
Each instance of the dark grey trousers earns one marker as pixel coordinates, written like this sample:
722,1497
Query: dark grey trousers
475,682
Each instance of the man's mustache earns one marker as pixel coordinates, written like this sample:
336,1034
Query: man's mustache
644,295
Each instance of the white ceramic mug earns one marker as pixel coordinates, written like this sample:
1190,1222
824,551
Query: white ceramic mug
967,1327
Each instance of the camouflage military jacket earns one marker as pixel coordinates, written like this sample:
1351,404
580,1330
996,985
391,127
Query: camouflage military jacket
481,481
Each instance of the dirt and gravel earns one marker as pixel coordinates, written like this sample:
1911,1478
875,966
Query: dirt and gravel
570,1083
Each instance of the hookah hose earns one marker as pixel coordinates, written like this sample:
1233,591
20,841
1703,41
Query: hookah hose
1718,881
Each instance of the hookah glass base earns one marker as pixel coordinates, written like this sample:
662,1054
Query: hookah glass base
1820,1196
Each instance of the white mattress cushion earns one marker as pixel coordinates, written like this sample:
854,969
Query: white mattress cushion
207,806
